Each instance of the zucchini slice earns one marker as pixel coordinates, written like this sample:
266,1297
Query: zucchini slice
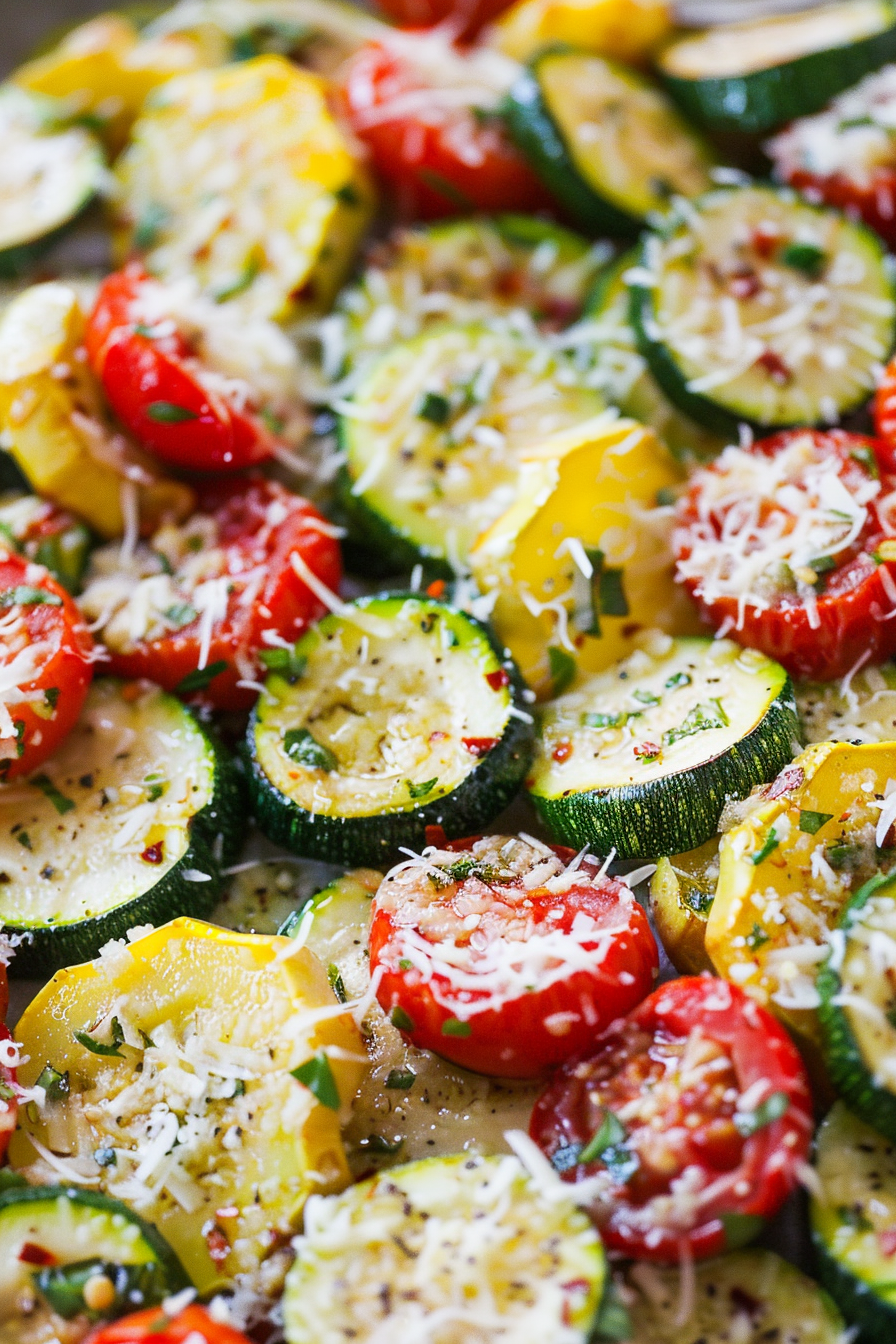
643,757
852,1218
681,896
864,712
751,1296
753,76
499,1257
858,1005
404,715
752,305
48,174
609,144
88,1259
178,1048
126,825
434,435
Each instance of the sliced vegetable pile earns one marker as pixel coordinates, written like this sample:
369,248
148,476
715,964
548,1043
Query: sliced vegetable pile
447,698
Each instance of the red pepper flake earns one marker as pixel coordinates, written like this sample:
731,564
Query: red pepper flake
154,853
791,777
887,1240
30,1254
562,752
765,239
775,367
744,284
499,679
437,736
479,746
646,750
132,690
435,837
218,1245
436,588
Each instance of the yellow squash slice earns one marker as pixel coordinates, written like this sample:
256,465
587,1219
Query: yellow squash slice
191,1114
627,30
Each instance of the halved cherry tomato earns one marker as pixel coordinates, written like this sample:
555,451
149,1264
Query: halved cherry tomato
693,1115
500,959
160,391
786,547
45,665
154,1327
437,153
9,1102
203,603
463,18
871,197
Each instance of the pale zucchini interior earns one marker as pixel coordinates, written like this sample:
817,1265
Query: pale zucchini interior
46,176
866,975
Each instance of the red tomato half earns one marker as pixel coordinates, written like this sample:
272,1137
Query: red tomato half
158,388
9,1105
234,587
45,665
154,1327
506,963
406,101
779,544
464,18
715,1117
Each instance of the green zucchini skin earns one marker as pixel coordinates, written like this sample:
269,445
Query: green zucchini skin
535,132
876,1319
847,1065
764,99
216,836
374,840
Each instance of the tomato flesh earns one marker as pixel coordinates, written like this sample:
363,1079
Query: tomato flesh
9,1105
45,665
159,389
239,560
464,18
193,1324
705,1108
779,544
499,960
441,159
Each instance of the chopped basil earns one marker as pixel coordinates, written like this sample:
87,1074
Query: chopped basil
422,789
285,662
375,1143
51,696
607,591
169,413
180,614
750,1122
99,1047
50,791
54,1083
240,283
302,748
452,1026
646,697
769,846
812,822
676,680
400,1019
334,975
606,720
24,839
435,408
202,677
562,667
401,1080
843,855
148,1042
805,257
25,596
708,714
317,1076
149,226
756,938
613,1320
608,1145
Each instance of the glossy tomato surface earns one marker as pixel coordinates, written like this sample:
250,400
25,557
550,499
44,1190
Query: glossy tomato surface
193,1325
780,546
692,1115
463,18
9,1106
45,665
434,151
159,389
505,962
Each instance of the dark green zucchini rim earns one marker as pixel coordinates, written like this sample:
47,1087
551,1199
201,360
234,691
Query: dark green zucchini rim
46,948
857,1300
681,811
849,1072
706,411
370,841
760,100
167,1259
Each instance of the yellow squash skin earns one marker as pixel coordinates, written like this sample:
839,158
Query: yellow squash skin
681,892
240,177
592,484
788,900
55,425
197,992
627,30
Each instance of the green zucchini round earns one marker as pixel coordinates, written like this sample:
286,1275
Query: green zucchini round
758,74
70,881
642,758
723,269
341,760
603,139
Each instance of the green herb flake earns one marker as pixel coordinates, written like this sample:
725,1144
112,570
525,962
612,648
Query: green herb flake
24,839
240,283
54,1083
443,187
562,667
421,790
99,1047
334,975
756,938
805,257
665,497
774,1106
606,720
435,408
149,226
148,1042
607,591
769,846
400,1019
677,680
609,1133
613,1320
347,194
51,697
202,677
452,1026
646,698
853,1215
180,614
401,1080
305,750
50,792
285,662
700,719
375,1143
843,856
812,822
317,1075
405,964
169,413
24,596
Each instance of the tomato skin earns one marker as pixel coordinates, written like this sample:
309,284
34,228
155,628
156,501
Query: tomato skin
65,671
872,200
856,598
9,1105
463,17
199,431
511,1039
283,603
476,162
750,1176
149,1327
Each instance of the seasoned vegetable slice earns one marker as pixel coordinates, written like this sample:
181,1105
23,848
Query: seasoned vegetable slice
681,895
